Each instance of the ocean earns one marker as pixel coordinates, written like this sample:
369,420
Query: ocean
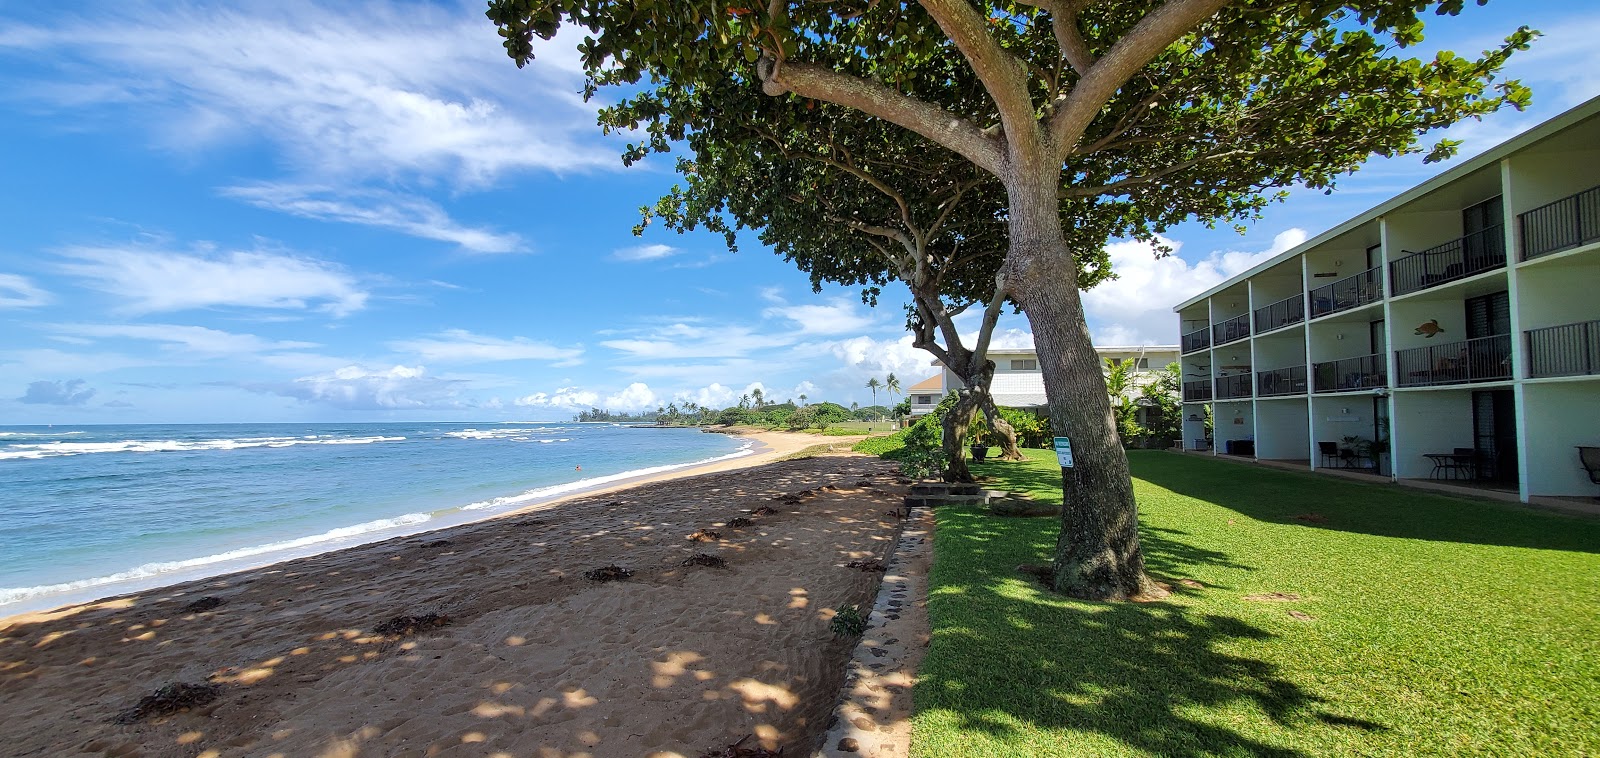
93,511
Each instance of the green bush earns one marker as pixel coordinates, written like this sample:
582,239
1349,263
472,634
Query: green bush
848,621
887,446
922,457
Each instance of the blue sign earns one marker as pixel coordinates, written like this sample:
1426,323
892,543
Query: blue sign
1064,451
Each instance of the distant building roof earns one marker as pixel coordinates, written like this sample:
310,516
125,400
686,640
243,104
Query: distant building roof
931,384
1018,390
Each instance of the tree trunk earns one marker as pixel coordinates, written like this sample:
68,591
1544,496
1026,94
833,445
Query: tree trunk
1008,436
955,424
1097,553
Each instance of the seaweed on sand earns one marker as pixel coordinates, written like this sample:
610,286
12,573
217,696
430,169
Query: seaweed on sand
869,564
738,750
705,535
738,522
763,511
705,559
610,573
203,604
404,625
169,699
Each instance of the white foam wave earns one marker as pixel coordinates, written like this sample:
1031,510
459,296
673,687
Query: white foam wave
18,594
500,434
56,449
543,493
38,434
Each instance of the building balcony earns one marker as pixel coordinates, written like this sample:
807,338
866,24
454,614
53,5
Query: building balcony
1567,350
1232,330
1367,372
1291,310
1484,359
1457,259
1282,381
1196,391
1229,387
1349,292
1561,225
1198,339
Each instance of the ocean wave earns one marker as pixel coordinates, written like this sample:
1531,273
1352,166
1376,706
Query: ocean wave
519,434
38,434
57,449
600,481
18,594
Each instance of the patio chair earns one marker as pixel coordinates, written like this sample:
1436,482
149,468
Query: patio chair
1590,458
1328,451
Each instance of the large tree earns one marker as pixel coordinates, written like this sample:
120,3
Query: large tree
1200,100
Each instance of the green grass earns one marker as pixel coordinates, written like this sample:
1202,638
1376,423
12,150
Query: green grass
1440,626
861,427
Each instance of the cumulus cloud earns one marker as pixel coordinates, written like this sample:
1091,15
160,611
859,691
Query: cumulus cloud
645,253
156,280
407,214
17,292
565,397
635,397
363,388
1136,307
838,316
69,392
866,357
462,346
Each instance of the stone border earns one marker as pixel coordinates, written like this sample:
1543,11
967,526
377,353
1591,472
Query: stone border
873,718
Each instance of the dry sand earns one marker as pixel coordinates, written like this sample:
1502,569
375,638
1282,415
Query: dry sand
536,660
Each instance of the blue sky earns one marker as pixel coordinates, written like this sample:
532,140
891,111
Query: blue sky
359,211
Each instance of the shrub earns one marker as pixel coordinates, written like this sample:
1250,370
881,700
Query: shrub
848,621
922,457
888,446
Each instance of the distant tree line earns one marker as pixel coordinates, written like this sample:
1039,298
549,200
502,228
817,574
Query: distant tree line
753,409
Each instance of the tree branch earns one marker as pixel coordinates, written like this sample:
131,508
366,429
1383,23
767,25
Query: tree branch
874,99
1138,47
1003,75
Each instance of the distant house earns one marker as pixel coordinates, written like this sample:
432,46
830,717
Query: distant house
1018,382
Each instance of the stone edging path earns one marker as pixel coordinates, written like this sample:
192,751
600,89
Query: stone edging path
873,719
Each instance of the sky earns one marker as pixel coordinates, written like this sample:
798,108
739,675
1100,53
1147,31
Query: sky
356,211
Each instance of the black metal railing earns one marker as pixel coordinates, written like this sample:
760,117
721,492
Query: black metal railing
1197,390
1483,359
1565,223
1198,339
1567,350
1291,310
1457,259
1349,292
1281,381
1233,386
1367,372
1234,329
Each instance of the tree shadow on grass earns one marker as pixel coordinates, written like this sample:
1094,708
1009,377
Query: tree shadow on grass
1027,667
1377,509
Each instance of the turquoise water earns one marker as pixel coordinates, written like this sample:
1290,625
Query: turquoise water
94,511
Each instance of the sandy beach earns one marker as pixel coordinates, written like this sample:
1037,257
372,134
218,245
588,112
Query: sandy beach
493,642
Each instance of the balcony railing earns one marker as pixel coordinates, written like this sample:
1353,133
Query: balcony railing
1281,381
1565,223
1233,386
1198,339
1367,372
1232,330
1288,311
1349,292
1457,259
1568,350
1193,391
1484,359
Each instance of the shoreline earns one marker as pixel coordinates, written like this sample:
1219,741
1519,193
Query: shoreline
766,446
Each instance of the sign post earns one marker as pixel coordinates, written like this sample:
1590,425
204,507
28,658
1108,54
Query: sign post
1064,452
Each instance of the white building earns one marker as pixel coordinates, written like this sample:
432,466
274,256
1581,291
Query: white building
1460,320
1018,382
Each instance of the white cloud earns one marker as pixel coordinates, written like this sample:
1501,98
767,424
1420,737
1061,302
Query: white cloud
51,362
713,395
635,397
17,292
645,252
682,342
162,280
363,388
407,214
461,346
838,316
195,340
357,89
866,357
565,397
1136,307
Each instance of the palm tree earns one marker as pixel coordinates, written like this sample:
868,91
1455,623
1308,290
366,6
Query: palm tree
802,399
758,396
873,384
892,384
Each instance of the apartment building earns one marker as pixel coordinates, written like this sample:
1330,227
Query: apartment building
1018,382
1452,333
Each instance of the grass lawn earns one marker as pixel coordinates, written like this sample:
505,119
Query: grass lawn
1437,625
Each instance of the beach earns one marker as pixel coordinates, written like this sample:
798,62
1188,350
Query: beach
495,643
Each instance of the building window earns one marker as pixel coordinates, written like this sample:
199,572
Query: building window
1024,364
1142,365
924,400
